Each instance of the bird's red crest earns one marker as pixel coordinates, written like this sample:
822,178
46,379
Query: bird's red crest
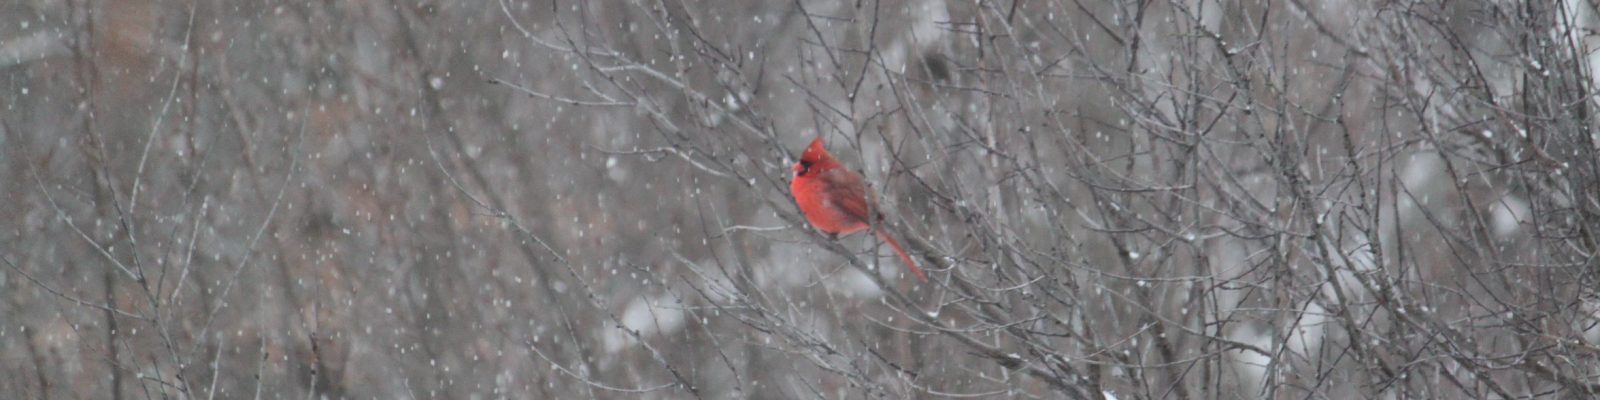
814,157
815,153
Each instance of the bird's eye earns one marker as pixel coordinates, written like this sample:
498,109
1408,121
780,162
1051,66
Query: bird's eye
805,166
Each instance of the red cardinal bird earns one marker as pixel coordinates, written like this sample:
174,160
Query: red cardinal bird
835,199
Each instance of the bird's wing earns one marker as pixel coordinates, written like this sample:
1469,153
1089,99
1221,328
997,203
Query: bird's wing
849,192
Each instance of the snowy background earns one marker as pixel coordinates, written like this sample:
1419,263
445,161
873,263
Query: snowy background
1174,199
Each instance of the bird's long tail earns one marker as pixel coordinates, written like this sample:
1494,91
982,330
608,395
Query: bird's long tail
895,244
